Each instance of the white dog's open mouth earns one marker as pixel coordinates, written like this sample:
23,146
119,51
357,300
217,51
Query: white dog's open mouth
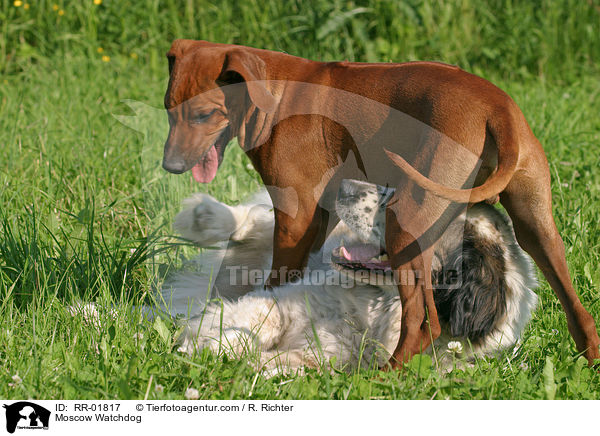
361,257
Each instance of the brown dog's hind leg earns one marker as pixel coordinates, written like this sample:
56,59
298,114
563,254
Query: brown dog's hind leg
528,202
419,324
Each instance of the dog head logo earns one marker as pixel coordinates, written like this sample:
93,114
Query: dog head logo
27,415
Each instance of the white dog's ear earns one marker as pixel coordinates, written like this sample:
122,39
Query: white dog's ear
241,66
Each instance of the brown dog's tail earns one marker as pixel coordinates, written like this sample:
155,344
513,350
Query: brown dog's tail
507,141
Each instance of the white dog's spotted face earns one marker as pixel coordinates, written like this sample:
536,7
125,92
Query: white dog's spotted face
361,206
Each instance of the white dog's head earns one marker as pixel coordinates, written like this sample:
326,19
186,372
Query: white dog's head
361,207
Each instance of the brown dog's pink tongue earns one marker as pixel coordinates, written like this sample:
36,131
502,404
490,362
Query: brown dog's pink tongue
206,169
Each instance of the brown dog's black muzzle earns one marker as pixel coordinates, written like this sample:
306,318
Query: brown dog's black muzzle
175,158
174,165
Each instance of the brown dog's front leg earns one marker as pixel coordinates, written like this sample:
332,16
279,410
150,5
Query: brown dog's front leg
293,239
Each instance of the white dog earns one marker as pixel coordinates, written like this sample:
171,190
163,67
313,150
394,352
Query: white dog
345,310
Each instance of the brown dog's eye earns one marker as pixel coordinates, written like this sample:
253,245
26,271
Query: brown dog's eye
201,117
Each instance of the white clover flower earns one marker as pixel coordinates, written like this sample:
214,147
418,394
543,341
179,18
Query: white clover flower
16,381
159,389
455,347
192,394
89,313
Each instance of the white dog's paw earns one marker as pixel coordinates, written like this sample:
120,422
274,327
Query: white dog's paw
206,221
231,341
199,332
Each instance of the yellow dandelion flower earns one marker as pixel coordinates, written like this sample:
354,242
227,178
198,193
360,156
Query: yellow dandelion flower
26,6
134,56
99,49
55,7
105,58
97,2
17,3
61,12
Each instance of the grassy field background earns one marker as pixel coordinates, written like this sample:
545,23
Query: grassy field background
83,200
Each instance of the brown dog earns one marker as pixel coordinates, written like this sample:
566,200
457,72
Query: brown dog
307,125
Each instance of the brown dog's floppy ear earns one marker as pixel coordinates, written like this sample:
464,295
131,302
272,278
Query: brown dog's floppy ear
242,66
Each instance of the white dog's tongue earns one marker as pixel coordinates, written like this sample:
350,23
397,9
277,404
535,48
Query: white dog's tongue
206,169
359,253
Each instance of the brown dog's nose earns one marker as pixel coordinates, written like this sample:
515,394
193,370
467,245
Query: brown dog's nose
175,166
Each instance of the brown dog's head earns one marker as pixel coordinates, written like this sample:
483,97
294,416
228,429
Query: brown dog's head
204,111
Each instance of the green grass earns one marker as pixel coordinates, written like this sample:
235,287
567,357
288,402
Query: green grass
83,199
